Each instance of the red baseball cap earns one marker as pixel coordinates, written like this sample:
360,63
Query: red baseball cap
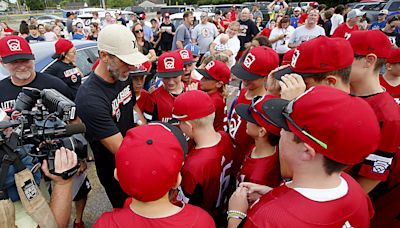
62,46
319,55
192,105
394,56
149,160
169,65
166,15
254,113
287,57
216,70
314,4
370,42
186,56
342,127
258,63
15,48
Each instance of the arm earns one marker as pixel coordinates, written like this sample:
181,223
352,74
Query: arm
139,113
270,7
285,5
179,44
152,55
113,142
194,35
367,183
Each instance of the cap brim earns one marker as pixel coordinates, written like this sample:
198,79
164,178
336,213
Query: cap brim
289,70
12,58
273,108
241,73
138,73
243,111
189,62
133,59
205,74
173,74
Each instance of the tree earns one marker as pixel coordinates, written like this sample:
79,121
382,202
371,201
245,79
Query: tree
119,3
34,4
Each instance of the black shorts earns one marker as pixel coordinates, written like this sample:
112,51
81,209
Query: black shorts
83,190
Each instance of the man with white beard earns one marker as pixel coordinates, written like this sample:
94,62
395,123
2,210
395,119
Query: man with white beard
308,31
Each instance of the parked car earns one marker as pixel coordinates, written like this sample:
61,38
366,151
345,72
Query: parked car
222,7
177,18
392,6
47,19
86,56
176,9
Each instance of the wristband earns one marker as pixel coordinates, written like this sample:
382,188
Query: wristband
237,213
234,216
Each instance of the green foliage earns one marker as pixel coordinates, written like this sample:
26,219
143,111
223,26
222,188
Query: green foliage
35,4
119,3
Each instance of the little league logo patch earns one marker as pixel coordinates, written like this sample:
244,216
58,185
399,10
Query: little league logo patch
14,45
169,63
184,54
250,58
380,167
295,57
210,65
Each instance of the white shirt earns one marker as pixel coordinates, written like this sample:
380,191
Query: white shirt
281,46
233,45
302,34
336,20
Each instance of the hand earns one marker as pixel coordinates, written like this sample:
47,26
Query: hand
152,88
238,200
64,160
192,86
82,167
292,86
273,86
254,191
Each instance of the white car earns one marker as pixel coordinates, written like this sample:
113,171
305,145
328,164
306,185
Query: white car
177,18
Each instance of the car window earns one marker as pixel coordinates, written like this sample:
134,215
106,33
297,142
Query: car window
373,7
3,73
394,6
93,52
84,62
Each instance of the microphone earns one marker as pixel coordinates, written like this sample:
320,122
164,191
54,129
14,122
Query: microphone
9,123
67,130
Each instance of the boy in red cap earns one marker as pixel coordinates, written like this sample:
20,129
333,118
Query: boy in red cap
261,165
391,79
142,96
314,150
170,70
216,75
378,174
189,65
148,165
206,172
253,72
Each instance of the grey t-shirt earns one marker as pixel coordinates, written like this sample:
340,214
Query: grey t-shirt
302,34
182,34
204,34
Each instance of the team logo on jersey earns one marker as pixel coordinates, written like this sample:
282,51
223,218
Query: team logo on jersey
210,65
122,99
74,79
14,45
184,54
169,63
380,167
347,35
295,57
347,225
250,58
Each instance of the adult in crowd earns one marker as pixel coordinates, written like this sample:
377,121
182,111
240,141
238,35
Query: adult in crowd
105,103
6,29
158,18
280,37
94,31
277,5
183,32
204,34
390,31
70,20
257,12
143,45
233,42
79,34
294,19
167,30
119,18
248,30
259,23
234,12
147,31
321,10
49,35
41,30
351,24
34,35
132,21
337,17
257,42
313,6
24,29
95,18
227,18
156,34
381,20
108,19
268,29
308,31
327,25
58,31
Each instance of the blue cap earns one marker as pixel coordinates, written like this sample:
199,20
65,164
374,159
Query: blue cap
194,49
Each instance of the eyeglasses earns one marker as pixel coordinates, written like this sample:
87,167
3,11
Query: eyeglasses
140,30
286,113
79,27
392,26
252,107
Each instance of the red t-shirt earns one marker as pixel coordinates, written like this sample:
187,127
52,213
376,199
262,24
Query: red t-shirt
189,216
143,99
285,207
342,31
162,104
202,173
237,129
303,18
266,32
394,91
264,171
233,15
221,118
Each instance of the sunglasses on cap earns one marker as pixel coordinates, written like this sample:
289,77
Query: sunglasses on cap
252,107
140,30
286,113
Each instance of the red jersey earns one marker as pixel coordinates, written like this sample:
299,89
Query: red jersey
264,171
237,129
233,15
143,99
206,174
343,30
266,32
221,118
161,106
394,91
189,216
303,18
286,207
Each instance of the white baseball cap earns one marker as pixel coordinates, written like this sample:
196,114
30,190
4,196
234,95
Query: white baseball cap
297,9
384,11
119,41
354,13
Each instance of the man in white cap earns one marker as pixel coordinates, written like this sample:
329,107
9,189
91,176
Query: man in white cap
381,22
294,19
105,102
353,18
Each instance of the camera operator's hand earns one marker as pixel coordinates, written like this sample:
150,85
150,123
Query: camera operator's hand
82,167
64,160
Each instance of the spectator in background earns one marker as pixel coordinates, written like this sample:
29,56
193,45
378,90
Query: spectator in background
182,36
248,30
312,6
49,35
148,33
257,12
267,30
158,18
308,31
381,22
79,34
34,35
94,31
217,20
234,12
277,5
95,18
390,31
204,33
233,42
24,29
327,22
156,34
227,18
41,30
257,42
259,23
70,19
58,31
337,17
280,37
108,20
33,20
321,9
144,46
119,18
353,18
132,21
391,79
294,19
167,30
6,29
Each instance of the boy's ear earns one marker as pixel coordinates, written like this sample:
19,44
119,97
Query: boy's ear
262,132
178,181
219,84
116,174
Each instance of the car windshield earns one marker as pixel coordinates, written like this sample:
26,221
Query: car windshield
374,7
395,6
